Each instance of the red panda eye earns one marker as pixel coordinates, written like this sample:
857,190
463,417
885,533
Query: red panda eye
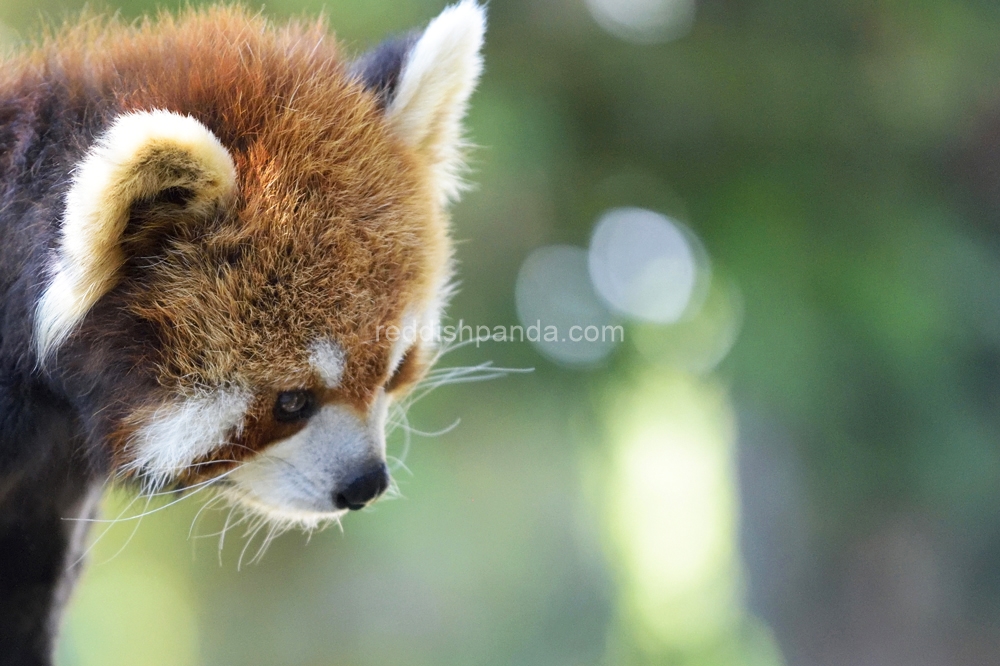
294,405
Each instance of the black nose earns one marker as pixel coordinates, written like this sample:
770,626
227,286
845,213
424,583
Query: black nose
363,489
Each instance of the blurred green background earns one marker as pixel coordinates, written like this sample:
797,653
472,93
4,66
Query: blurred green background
797,464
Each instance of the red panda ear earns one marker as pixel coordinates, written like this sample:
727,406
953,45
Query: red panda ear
379,69
431,91
144,162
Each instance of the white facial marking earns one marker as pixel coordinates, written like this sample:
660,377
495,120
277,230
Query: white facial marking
181,432
327,359
295,479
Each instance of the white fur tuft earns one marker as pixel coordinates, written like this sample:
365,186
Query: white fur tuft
126,164
439,75
327,359
181,432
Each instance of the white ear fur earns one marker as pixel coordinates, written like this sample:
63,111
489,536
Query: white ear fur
434,87
140,155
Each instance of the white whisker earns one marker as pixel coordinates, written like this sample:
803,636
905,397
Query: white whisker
222,533
398,464
101,535
198,488
194,521
436,433
135,529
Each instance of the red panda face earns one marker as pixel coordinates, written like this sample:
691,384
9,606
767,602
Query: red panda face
243,237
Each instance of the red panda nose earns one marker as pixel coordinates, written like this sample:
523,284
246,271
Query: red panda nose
363,489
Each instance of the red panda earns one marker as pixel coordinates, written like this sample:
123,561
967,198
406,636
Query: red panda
206,222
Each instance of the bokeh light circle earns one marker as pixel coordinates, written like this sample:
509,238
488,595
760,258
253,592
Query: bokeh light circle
554,295
644,21
644,265
699,342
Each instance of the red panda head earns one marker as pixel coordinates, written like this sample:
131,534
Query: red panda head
250,221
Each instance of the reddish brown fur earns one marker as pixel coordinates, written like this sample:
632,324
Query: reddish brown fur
335,230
